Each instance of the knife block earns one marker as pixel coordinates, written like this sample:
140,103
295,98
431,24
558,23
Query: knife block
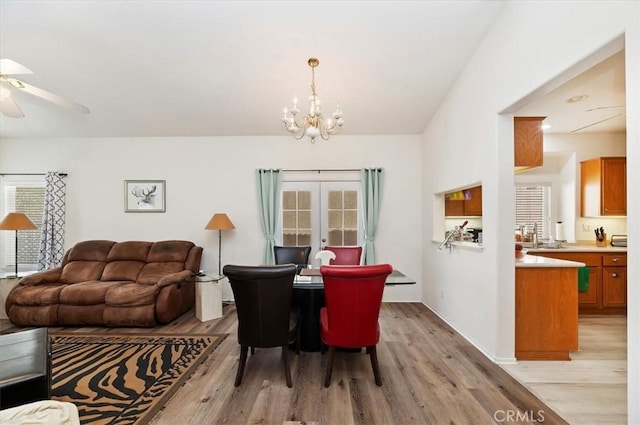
603,242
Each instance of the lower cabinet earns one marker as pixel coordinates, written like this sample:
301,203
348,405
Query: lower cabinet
614,287
607,293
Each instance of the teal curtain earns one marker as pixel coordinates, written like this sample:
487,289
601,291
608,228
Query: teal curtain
371,180
269,184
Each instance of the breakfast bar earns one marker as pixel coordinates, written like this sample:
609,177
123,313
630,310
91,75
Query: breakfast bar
546,308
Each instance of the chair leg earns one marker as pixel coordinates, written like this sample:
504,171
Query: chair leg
241,364
287,371
374,364
327,376
253,350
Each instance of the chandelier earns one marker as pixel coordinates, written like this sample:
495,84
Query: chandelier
313,124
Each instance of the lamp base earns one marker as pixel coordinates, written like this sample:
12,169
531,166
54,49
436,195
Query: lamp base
15,276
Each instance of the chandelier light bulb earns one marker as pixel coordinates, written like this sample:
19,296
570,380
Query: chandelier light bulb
312,125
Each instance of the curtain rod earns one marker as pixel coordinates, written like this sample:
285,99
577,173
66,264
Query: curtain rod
327,170
30,174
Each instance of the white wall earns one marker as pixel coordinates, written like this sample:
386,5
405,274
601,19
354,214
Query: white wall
530,44
208,175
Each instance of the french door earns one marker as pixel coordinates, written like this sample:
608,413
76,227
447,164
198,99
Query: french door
319,213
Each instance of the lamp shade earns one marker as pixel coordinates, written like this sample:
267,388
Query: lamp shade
219,221
17,221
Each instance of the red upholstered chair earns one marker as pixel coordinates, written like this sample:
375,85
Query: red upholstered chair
345,255
350,320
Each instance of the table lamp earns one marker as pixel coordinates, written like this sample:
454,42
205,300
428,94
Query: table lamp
219,222
16,221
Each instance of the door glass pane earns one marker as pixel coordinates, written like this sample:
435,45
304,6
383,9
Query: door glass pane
351,199
351,237
343,217
335,200
296,218
335,237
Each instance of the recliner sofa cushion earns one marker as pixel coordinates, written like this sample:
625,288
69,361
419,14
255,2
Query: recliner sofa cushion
87,293
152,272
81,271
90,251
169,251
130,250
45,294
131,294
122,270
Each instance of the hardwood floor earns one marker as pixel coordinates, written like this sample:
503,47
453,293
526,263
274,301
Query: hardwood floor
591,389
430,374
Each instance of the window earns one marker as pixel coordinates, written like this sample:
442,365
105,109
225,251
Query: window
26,197
533,206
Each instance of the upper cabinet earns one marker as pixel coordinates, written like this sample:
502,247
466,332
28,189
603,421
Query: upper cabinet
471,206
528,145
603,186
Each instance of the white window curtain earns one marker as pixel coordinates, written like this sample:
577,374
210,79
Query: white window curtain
53,222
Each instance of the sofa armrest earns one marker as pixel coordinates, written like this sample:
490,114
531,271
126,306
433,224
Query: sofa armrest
46,276
174,278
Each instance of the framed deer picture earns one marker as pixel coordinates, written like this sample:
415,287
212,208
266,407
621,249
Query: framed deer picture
144,196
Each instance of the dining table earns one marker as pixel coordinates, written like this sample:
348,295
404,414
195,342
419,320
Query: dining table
308,298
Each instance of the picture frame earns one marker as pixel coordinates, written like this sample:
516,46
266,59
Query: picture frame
144,196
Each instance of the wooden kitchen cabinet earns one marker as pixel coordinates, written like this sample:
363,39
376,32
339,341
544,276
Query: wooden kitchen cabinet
468,208
607,292
546,313
528,141
603,187
614,280
473,206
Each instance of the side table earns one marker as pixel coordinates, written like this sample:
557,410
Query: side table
208,297
6,285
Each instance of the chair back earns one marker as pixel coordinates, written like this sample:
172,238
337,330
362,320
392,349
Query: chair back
353,296
263,297
345,255
298,255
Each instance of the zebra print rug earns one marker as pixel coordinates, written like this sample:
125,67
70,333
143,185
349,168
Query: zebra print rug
124,379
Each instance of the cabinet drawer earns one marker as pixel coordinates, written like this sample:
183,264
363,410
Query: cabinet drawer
614,259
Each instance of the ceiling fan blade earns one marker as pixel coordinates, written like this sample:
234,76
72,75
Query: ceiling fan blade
598,122
9,67
9,108
605,107
54,98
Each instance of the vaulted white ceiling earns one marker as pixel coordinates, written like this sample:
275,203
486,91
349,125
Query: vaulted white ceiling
228,68
216,68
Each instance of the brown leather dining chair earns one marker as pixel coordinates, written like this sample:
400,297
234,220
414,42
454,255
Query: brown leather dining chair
263,297
298,255
345,255
350,319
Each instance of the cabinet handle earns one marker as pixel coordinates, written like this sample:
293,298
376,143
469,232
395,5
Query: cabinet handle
615,260
614,274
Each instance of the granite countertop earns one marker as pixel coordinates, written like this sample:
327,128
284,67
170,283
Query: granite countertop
540,262
581,247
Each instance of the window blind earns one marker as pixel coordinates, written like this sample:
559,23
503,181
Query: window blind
27,198
533,206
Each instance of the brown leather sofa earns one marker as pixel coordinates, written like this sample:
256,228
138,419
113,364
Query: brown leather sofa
110,283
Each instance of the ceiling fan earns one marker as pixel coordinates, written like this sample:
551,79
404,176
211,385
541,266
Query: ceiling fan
8,106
